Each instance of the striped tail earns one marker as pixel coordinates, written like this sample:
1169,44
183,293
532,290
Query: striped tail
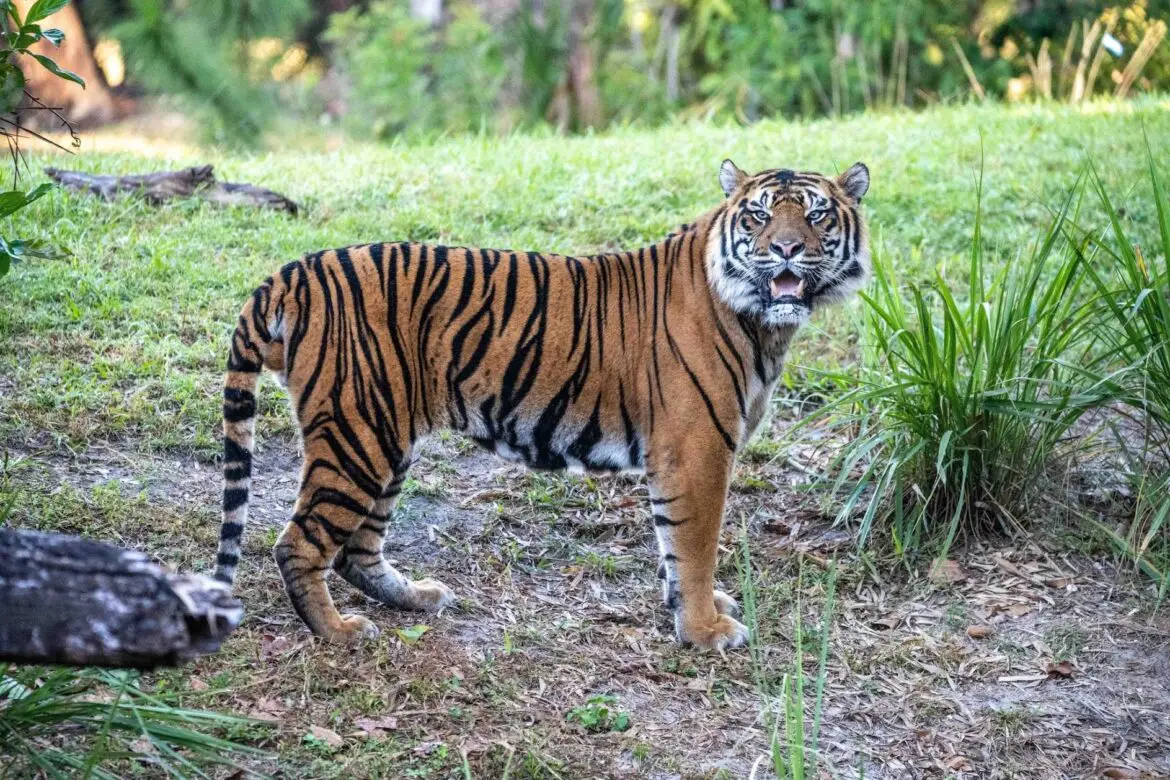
250,345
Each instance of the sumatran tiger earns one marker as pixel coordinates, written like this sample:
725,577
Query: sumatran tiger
658,361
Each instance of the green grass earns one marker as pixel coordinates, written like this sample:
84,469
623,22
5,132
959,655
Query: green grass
125,339
794,731
1133,309
123,342
94,723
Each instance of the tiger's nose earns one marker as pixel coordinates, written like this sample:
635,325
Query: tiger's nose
787,249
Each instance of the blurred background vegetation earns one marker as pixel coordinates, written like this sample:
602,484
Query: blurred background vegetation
387,68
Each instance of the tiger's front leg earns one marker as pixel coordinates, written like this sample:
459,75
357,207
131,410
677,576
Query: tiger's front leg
688,488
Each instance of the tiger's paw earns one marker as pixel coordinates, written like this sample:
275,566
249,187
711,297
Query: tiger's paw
430,595
724,633
726,605
353,628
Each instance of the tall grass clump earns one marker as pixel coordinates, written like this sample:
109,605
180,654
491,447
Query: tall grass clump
96,723
1133,302
965,395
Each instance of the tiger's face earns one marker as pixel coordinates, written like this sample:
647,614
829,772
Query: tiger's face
788,242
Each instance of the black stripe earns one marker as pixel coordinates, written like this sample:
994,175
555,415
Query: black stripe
234,498
663,520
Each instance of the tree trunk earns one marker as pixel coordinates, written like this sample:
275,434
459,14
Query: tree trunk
94,105
68,600
585,96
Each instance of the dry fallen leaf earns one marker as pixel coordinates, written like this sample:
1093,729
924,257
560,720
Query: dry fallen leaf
328,736
377,727
1062,669
978,632
143,746
947,572
272,646
1011,568
268,710
1015,610
1059,583
1120,773
957,763
885,624
196,684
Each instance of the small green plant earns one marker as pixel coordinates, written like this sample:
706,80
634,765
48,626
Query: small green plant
793,742
597,714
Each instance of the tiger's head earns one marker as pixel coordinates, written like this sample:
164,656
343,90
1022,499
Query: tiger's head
787,242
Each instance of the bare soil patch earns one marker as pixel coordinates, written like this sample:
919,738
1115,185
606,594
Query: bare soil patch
1018,660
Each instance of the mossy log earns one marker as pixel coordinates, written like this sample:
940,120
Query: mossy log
68,600
197,182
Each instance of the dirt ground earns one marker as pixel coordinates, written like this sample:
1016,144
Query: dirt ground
1020,659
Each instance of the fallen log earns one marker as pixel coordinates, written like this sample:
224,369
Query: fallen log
68,600
164,185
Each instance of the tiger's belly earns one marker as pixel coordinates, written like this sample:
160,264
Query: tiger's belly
580,448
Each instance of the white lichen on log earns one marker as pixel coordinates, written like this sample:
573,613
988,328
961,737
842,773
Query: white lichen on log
68,600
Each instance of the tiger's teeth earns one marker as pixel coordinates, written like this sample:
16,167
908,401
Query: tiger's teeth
800,289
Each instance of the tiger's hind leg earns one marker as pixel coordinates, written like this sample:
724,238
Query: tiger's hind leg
361,563
329,509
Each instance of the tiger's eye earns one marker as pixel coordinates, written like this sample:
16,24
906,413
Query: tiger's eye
816,215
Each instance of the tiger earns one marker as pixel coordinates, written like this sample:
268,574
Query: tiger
658,361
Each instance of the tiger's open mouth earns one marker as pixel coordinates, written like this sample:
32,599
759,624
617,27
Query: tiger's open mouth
787,287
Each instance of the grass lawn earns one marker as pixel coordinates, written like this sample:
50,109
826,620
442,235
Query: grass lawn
110,364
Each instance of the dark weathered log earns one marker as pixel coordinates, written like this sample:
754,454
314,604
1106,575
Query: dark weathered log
158,187
68,600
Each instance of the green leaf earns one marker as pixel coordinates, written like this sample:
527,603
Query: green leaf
44,8
621,722
5,264
14,200
29,34
53,35
410,636
11,87
57,70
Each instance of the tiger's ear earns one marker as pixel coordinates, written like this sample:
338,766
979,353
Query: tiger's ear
730,177
855,181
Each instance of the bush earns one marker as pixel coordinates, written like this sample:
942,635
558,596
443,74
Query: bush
399,85
961,407
19,35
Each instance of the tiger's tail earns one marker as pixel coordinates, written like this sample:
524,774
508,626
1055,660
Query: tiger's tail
258,330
